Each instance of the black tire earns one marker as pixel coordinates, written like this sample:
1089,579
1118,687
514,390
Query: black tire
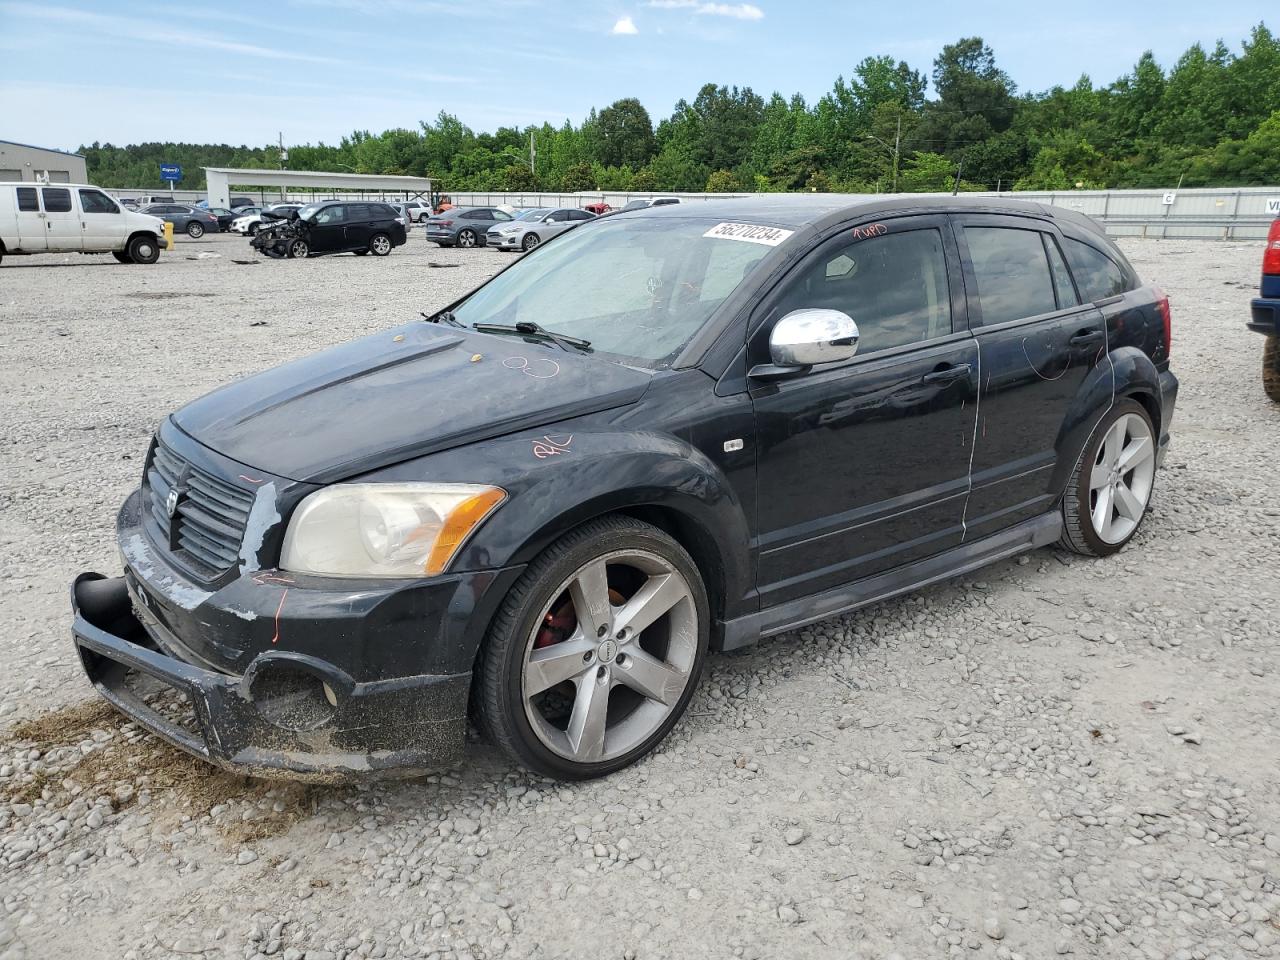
530,241
298,249
1078,533
144,249
380,244
497,694
1271,368
121,256
468,238
195,230
253,229
361,253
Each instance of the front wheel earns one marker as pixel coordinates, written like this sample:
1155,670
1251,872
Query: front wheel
595,652
195,230
298,250
530,241
1110,488
1271,368
143,249
379,244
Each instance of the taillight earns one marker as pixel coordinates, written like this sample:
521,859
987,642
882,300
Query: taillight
1162,305
444,223
1271,258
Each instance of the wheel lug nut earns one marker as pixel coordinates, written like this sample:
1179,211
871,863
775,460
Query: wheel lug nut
622,658
602,631
586,657
602,672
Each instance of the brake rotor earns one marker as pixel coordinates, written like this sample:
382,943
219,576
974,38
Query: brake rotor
560,622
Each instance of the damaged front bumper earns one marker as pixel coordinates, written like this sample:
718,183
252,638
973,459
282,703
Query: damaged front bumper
289,715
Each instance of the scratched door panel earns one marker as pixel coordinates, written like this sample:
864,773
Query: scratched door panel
1033,366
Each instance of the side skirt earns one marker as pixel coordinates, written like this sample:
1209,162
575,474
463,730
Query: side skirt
1030,534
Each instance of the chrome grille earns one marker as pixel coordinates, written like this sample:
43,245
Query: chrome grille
208,523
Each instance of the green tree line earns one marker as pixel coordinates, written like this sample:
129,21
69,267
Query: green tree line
1212,119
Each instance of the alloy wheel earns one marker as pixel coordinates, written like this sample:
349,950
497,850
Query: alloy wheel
1121,479
299,249
610,656
466,239
531,240
381,245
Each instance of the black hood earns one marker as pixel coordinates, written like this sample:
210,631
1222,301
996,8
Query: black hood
409,391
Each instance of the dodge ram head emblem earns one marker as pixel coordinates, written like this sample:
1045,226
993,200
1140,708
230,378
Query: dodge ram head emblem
171,502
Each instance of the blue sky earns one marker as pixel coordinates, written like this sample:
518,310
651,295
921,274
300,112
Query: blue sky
72,72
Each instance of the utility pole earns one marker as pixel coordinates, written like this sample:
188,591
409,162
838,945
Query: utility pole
533,156
959,170
897,149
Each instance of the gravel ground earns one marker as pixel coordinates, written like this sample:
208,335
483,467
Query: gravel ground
1055,756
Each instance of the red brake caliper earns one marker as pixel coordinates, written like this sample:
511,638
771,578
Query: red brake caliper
561,621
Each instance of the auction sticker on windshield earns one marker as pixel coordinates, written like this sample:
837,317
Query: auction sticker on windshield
750,232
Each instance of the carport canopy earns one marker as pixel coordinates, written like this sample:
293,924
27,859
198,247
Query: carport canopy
220,180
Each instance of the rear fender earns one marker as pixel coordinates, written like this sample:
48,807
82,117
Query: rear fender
1125,372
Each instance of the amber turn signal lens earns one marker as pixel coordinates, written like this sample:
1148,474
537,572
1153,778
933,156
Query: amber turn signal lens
458,525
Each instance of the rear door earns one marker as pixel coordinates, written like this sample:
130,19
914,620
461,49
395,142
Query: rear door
33,235
101,221
1037,343
865,467
61,219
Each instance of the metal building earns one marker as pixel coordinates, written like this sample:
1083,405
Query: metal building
21,161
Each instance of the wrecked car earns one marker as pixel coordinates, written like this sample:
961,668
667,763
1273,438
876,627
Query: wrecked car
661,434
330,227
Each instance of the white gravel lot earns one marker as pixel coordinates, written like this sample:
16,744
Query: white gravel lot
1055,756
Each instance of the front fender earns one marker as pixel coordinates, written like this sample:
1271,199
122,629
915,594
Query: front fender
1125,372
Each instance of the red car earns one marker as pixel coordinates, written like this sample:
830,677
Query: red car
598,208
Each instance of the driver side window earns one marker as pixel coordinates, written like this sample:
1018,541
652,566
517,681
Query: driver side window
331,215
894,287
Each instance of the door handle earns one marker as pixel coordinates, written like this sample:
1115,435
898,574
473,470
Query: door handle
1087,338
949,374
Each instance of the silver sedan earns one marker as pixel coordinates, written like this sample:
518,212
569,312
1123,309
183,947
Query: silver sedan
534,226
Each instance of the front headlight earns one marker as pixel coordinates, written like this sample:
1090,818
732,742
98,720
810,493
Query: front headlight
385,529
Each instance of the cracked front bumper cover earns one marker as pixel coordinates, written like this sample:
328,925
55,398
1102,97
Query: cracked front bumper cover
404,726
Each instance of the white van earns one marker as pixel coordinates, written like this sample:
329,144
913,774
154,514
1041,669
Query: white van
65,217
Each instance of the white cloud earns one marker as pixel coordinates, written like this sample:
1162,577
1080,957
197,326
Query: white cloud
625,27
738,11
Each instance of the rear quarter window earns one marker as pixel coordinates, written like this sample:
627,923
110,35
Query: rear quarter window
1097,275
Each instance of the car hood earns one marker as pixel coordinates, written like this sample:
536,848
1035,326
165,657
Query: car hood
399,394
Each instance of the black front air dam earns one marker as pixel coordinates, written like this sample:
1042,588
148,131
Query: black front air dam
288,716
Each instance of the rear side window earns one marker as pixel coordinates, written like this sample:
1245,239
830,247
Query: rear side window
1097,274
1061,275
57,200
27,199
580,215
91,201
1012,273
894,287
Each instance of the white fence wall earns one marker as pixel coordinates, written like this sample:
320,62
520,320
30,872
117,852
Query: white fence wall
1235,213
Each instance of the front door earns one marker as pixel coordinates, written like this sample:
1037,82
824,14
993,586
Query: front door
328,229
33,235
1038,343
865,466
102,223
61,219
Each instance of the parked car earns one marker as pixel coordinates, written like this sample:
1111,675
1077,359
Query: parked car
1266,314
331,227
250,222
238,202
127,202
419,209
185,219
464,226
149,199
225,217
670,433
597,208
403,214
74,218
526,232
644,204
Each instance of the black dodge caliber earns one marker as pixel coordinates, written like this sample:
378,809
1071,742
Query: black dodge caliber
660,434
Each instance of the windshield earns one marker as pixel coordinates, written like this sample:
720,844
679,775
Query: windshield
534,214
637,288
304,213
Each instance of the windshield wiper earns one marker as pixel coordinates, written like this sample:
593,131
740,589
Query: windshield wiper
529,328
444,316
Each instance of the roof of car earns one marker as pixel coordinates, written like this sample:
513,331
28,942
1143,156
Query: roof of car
802,209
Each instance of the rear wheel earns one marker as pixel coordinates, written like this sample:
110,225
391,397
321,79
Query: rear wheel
144,249
195,230
298,249
379,244
596,650
467,238
1110,487
121,256
530,241
1271,367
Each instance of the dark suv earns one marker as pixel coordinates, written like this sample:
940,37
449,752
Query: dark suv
667,433
358,227
1265,311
